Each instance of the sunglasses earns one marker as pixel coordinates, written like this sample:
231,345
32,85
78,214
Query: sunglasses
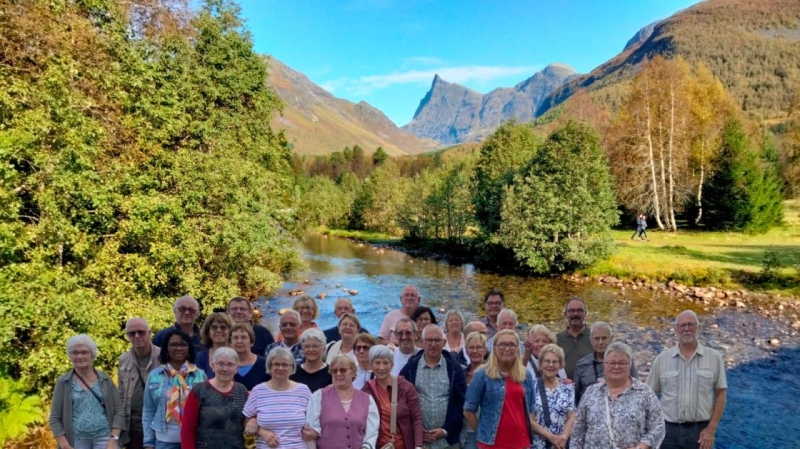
135,333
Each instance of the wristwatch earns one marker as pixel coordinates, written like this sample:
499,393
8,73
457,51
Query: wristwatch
115,437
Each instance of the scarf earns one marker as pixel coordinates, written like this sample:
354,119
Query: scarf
178,390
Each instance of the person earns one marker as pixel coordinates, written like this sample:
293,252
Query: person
454,334
423,316
503,392
212,417
574,340
348,330
620,412
493,303
241,312
134,368
290,325
342,413
250,368
408,434
409,299
277,408
186,310
538,336
639,227
691,380
439,380
474,326
313,372
167,389
342,306
554,402
86,412
475,346
364,342
215,334
406,331
506,320
589,369
308,309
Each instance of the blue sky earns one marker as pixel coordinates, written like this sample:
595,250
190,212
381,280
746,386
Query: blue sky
386,52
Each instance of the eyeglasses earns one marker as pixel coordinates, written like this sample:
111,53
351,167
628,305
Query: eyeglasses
433,341
135,333
338,370
178,345
551,362
404,333
506,346
288,324
361,348
617,364
575,311
305,309
494,303
687,325
219,327
238,309
347,325
225,365
80,353
423,320
475,348
312,346
280,365
183,310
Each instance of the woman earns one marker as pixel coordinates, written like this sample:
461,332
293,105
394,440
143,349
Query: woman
250,368
589,369
279,405
342,413
364,342
555,402
86,411
454,334
349,325
213,414
621,412
476,350
408,417
423,316
313,373
167,389
538,337
308,310
215,334
503,392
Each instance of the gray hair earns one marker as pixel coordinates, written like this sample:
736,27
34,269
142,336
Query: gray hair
509,312
407,320
146,324
602,325
224,352
340,359
280,352
688,312
429,329
454,312
293,313
575,298
380,352
175,304
82,339
621,348
313,334
541,329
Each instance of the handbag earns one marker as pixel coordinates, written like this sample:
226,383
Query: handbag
393,415
545,409
609,424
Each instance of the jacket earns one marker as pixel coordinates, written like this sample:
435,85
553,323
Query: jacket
489,395
128,377
154,416
407,407
454,420
61,409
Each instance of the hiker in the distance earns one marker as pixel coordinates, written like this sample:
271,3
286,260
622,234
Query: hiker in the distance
641,226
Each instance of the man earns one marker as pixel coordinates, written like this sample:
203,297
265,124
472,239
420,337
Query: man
186,310
493,303
575,339
406,330
409,298
241,311
342,306
691,380
474,326
134,367
506,320
442,386
290,326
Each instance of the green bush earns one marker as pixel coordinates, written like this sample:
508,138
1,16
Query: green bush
17,410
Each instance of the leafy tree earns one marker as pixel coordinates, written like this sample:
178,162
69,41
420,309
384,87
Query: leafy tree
379,201
558,212
379,157
322,203
17,410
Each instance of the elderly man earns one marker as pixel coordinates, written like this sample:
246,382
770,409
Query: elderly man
506,320
290,328
691,380
134,367
409,299
186,310
342,306
241,311
442,386
406,331
493,303
575,340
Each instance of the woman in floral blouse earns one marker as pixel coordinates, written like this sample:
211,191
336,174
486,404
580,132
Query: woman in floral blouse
620,412
555,418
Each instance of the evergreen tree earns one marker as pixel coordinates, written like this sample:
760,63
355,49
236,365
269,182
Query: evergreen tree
379,157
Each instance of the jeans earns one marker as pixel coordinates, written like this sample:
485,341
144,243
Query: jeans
97,443
164,445
470,440
683,436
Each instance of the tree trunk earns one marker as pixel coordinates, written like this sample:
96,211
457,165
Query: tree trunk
648,132
702,180
671,212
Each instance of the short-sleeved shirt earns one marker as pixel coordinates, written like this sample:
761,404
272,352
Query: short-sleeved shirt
574,348
560,401
687,387
433,386
389,322
512,429
282,412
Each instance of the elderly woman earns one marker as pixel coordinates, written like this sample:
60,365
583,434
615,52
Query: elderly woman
476,350
342,413
86,411
364,342
348,330
167,389
308,309
408,417
423,316
538,337
555,402
279,405
250,368
589,369
214,335
313,372
621,412
454,334
503,392
213,413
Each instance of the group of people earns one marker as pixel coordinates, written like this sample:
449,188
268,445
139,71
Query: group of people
479,384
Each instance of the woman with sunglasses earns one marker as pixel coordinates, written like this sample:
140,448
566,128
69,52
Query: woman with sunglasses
215,334
363,343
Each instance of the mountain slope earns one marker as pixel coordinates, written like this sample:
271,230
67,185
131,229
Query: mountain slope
316,122
450,113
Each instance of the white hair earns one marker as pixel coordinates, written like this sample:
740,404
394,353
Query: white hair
510,313
293,313
602,325
621,348
380,352
175,304
428,329
146,324
313,334
688,312
279,352
82,339
225,352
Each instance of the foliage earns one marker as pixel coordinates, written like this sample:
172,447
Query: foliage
17,410
322,202
770,264
558,212
379,200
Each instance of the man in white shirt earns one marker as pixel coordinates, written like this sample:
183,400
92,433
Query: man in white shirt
405,329
409,298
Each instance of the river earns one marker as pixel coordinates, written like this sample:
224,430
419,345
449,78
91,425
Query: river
763,384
